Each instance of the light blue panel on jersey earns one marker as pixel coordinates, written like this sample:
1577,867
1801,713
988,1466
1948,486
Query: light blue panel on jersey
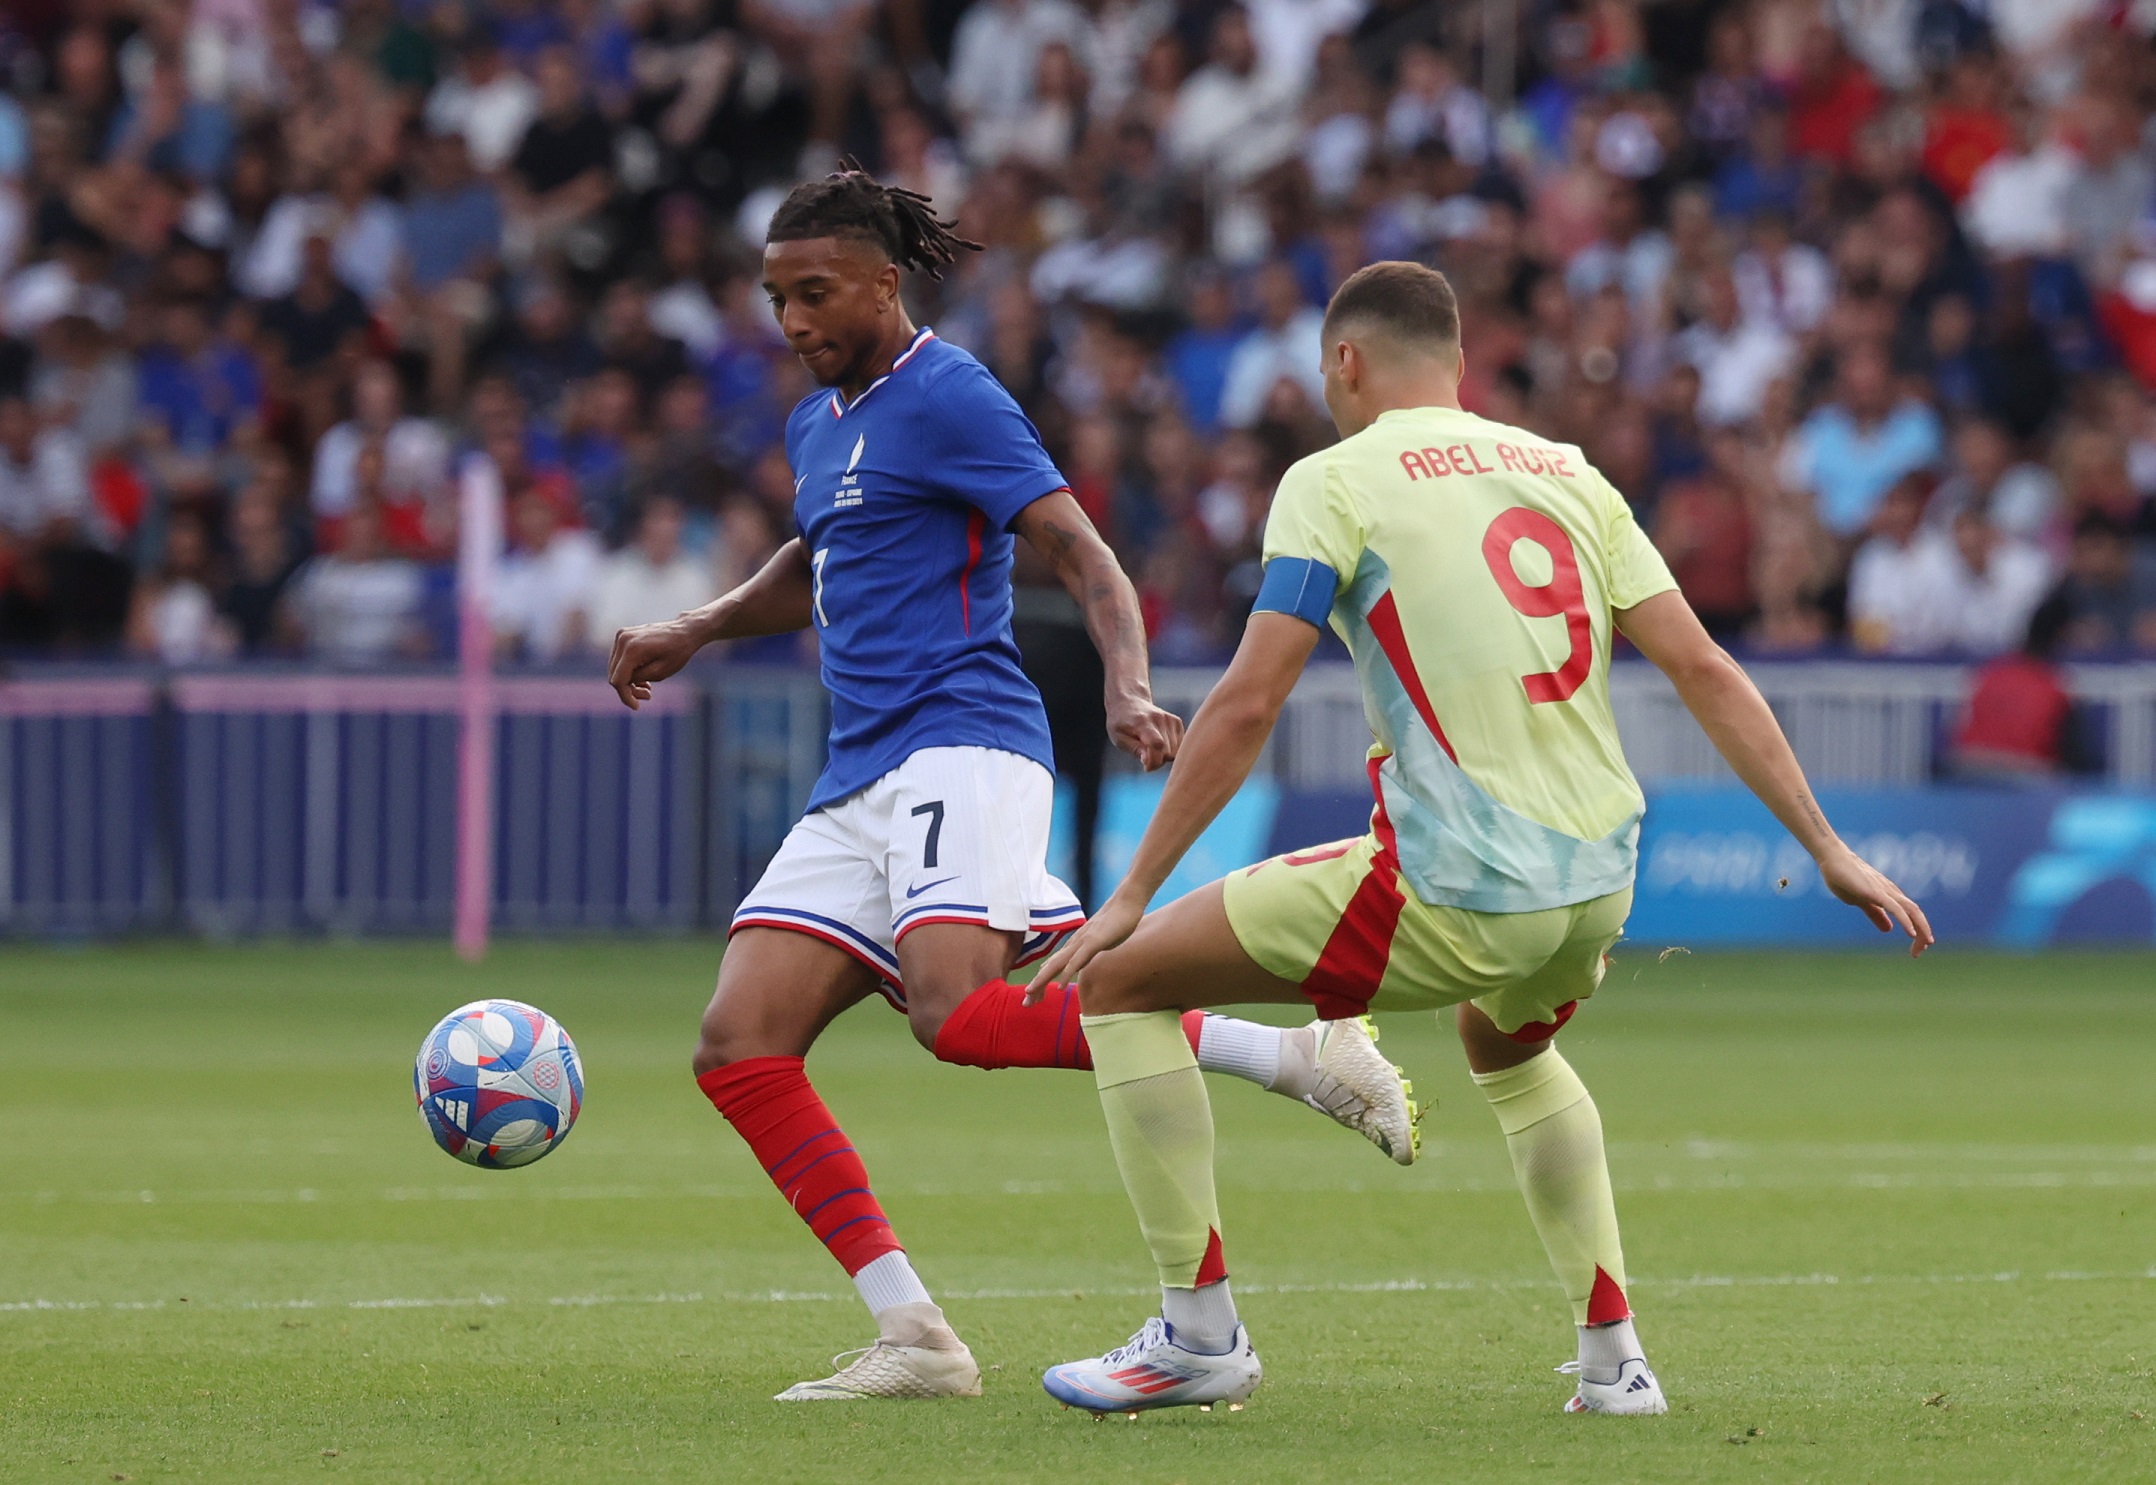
1242,834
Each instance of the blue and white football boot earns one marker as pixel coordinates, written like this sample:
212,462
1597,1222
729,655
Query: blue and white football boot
1150,1370
1630,1390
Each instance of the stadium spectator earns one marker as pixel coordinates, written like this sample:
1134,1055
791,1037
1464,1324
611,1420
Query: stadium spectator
1762,179
174,617
485,99
82,380
543,591
995,57
196,388
546,350
264,560
2016,205
1781,281
1432,102
44,480
452,222
1625,254
628,341
1857,446
2109,590
2110,193
545,215
414,452
2017,496
1282,346
1199,356
650,579
1234,118
677,461
1737,358
321,317
563,170
1704,531
360,605
1989,587
1898,575
683,308
2019,724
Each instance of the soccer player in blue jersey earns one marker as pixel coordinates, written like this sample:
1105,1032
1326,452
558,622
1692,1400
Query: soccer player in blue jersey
920,867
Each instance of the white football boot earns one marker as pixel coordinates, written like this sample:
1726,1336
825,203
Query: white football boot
1631,1392
1344,1077
1151,1371
890,1370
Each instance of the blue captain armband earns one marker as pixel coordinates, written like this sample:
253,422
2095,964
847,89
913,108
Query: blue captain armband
1300,586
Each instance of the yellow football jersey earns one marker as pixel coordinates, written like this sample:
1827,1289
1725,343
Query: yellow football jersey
1472,569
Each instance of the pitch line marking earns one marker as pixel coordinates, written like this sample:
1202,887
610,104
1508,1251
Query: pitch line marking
818,1296
1625,1182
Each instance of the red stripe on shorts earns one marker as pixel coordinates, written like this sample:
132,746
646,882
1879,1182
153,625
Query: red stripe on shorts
1352,964
1542,1031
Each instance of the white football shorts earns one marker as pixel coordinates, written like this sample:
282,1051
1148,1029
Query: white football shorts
951,835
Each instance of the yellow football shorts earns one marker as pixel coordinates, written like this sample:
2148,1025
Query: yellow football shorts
1341,921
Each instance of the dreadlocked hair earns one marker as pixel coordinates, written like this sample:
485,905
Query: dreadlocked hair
853,203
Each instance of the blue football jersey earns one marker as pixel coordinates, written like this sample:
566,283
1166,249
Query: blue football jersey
904,500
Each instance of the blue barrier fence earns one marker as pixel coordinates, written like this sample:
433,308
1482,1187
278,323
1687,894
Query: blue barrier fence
246,803
242,804
83,830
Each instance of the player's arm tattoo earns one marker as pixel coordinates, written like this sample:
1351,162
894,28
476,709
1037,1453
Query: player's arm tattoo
1058,529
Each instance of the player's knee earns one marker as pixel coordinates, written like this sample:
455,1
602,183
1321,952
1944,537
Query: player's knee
710,1056
1111,988
720,1043
1488,1049
927,1023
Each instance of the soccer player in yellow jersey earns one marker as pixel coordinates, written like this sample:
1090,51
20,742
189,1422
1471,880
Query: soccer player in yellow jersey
1477,573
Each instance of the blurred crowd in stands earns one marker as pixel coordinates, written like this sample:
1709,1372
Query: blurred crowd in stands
1855,300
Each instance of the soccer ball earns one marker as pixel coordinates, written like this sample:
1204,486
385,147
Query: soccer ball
498,1083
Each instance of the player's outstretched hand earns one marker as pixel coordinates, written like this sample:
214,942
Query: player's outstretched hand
1145,731
1116,921
648,653
1862,885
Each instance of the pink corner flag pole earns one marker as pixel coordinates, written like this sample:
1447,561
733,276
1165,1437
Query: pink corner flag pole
479,540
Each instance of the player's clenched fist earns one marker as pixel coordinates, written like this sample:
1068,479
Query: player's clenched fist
1146,732
647,653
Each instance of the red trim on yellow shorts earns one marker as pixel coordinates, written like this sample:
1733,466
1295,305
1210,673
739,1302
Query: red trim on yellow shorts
1352,964
1542,1031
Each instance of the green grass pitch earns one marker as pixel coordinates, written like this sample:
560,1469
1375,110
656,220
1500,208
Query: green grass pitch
1885,1222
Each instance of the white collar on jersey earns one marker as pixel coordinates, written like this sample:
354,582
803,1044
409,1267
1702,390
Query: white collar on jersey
839,406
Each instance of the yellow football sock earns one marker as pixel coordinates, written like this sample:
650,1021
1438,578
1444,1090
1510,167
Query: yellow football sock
1555,1137
1161,1126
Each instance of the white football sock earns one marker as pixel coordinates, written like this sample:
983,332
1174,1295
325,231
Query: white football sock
1242,1049
890,1280
1203,1319
1605,1348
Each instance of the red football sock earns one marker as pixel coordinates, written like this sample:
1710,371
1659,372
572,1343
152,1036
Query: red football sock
769,1102
994,1027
